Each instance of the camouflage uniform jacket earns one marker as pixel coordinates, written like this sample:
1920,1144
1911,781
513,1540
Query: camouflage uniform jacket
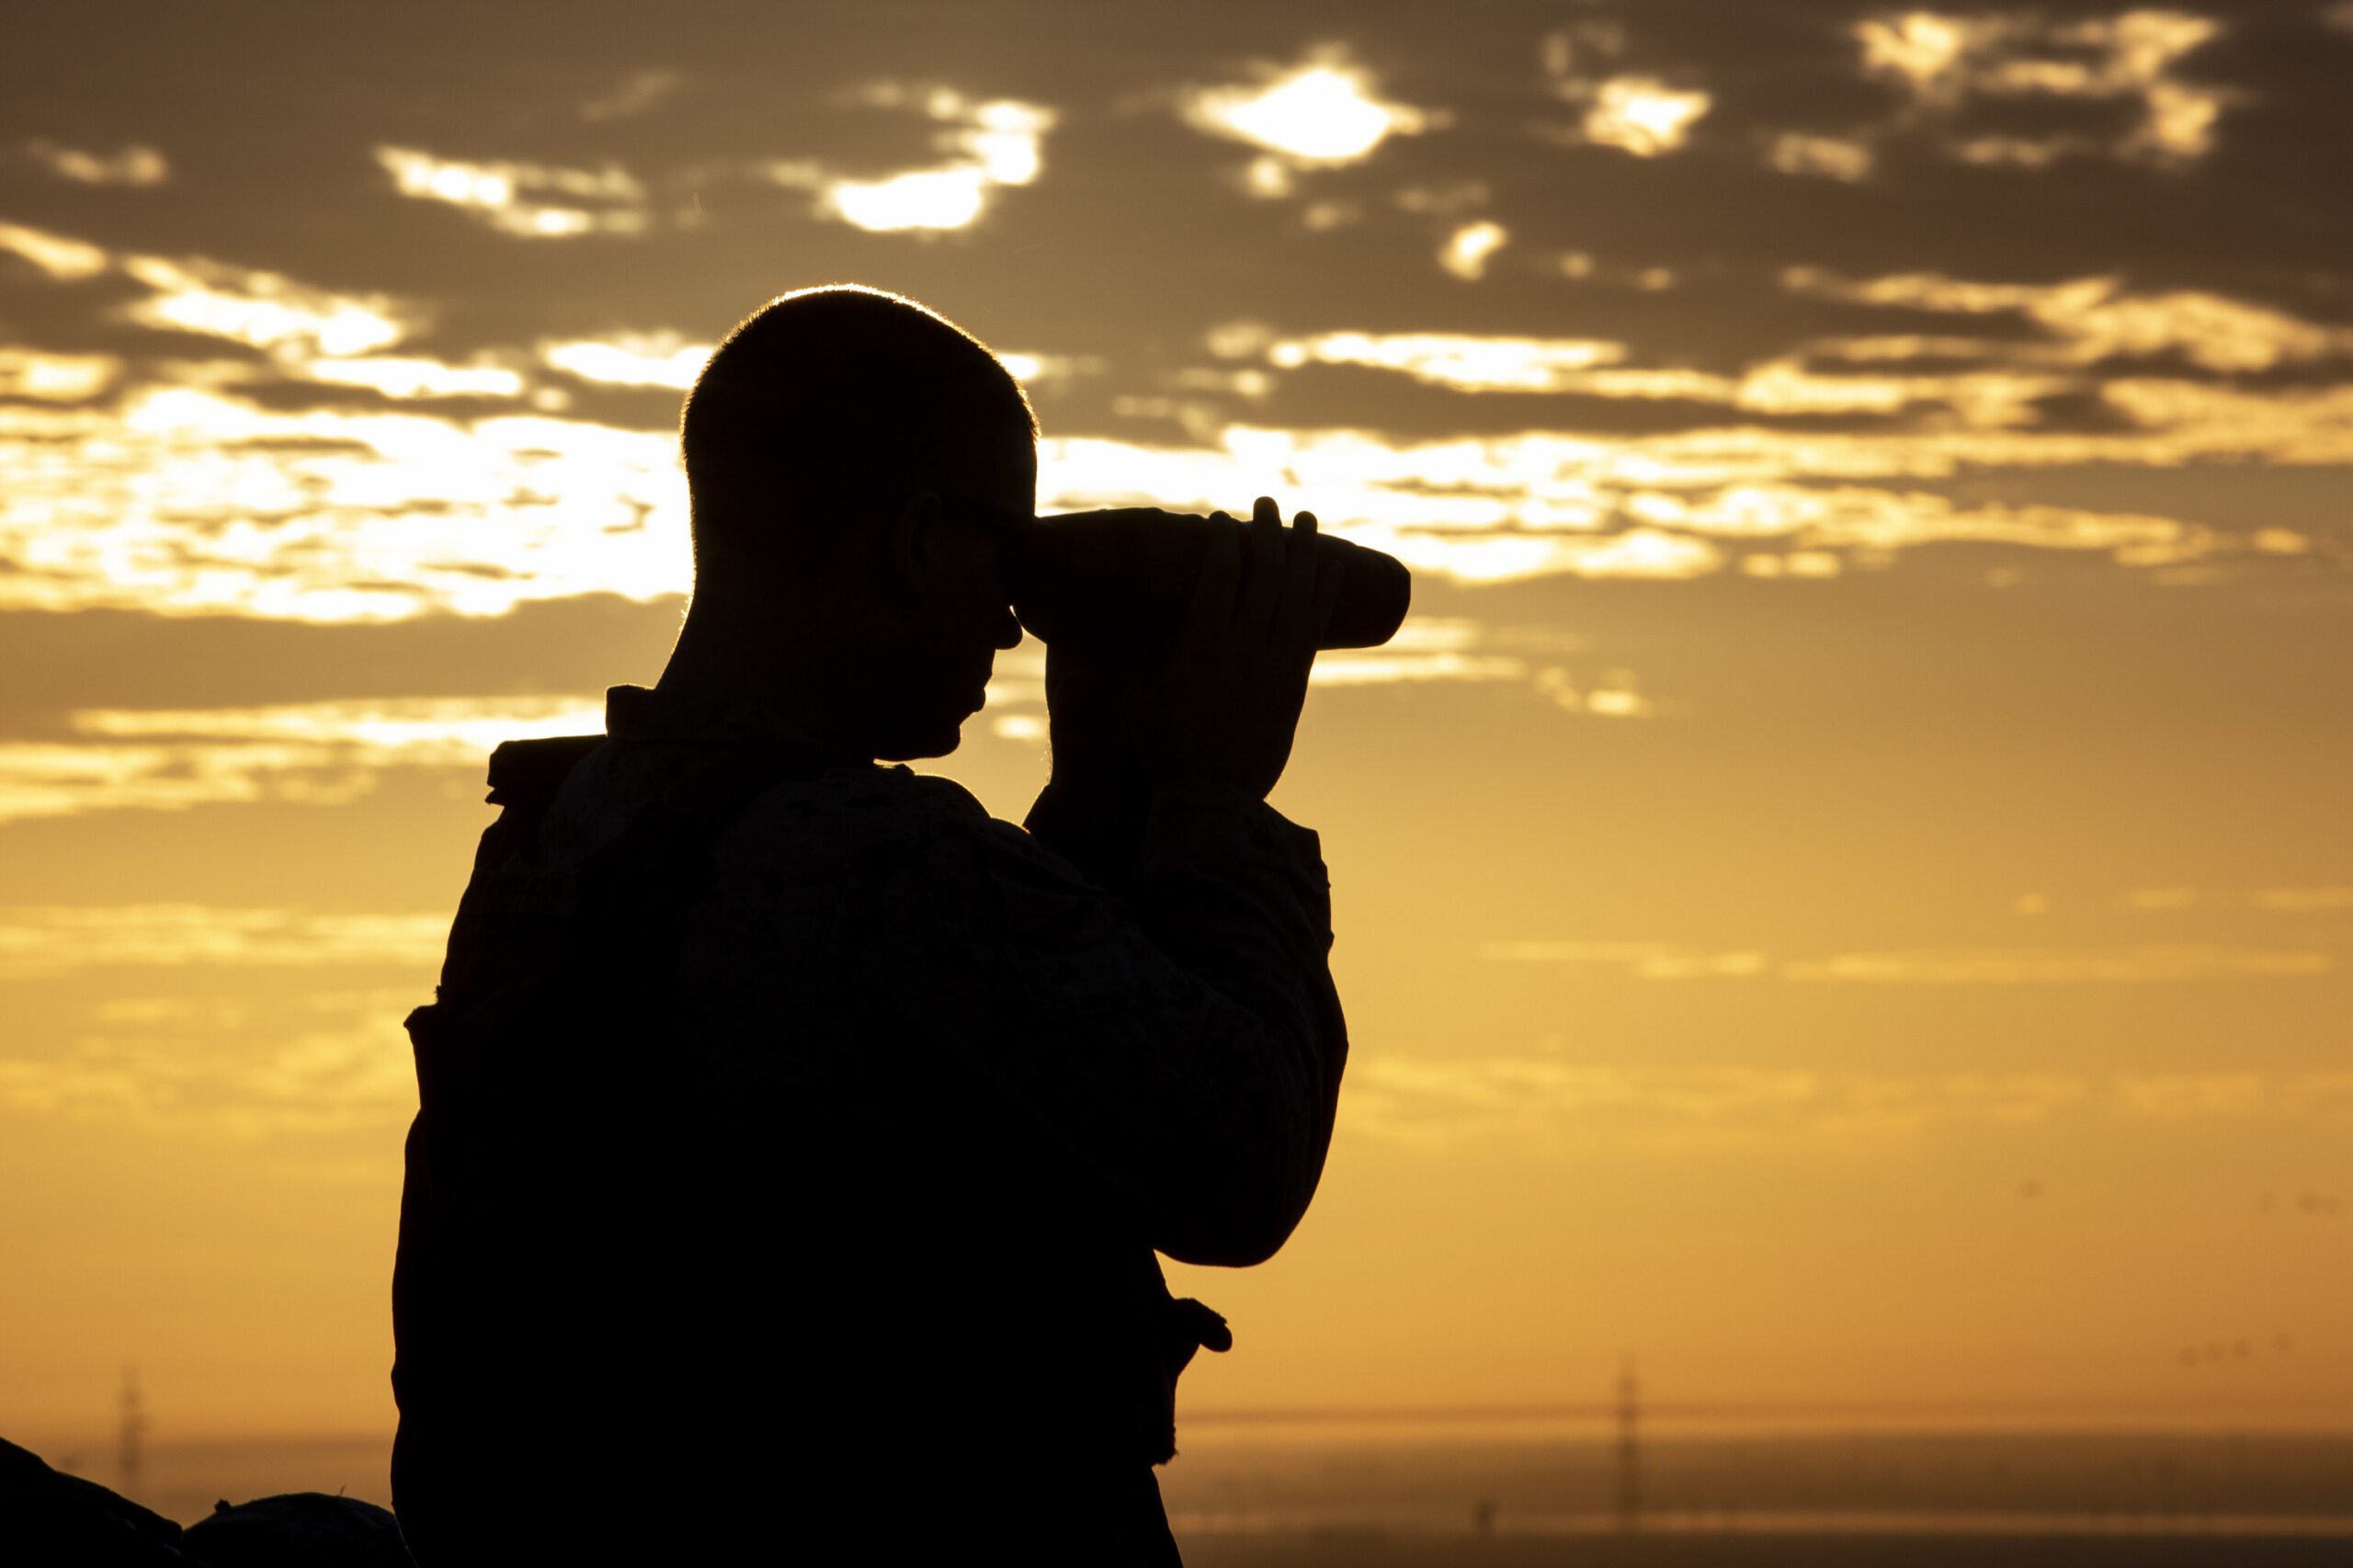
928,1101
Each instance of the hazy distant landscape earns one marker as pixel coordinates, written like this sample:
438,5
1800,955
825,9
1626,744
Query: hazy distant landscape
1973,1481
1244,1497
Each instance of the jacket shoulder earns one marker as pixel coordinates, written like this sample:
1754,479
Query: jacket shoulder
523,771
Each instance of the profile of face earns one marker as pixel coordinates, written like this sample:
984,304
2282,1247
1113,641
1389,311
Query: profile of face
951,562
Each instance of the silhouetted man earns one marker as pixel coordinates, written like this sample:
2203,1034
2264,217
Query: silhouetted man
796,1139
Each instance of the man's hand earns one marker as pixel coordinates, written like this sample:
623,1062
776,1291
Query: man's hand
1224,705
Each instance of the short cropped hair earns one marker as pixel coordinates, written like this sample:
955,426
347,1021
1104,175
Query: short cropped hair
824,400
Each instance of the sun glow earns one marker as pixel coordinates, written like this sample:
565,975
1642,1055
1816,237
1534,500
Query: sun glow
1320,114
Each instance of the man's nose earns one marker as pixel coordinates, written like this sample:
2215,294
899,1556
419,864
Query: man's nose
1006,633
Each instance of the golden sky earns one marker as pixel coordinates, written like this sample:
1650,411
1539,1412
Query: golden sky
1844,885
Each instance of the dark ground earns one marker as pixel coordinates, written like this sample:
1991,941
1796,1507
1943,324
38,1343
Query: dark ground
1344,1550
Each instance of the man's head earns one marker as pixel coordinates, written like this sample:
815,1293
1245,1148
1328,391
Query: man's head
855,463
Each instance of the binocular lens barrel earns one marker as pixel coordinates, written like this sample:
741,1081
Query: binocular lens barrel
1118,582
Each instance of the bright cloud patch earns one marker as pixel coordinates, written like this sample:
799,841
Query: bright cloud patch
42,940
400,377
55,378
1424,651
133,166
1320,114
1450,359
2036,966
1950,62
259,309
319,752
1439,1104
2026,966
1643,114
1641,960
1466,250
530,200
280,1059
330,753
183,487
987,146
646,359
186,499
2091,319
61,259
1832,157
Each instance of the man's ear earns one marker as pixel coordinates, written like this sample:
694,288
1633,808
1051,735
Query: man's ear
914,530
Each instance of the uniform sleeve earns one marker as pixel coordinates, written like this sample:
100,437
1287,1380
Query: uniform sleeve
1180,1040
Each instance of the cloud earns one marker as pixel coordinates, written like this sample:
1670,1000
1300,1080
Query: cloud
186,499
196,496
990,146
637,93
1840,158
2059,966
1467,250
314,334
271,478
1643,114
333,752
1524,505
2276,900
1636,113
1460,361
327,1063
1853,381
2304,900
1545,1105
1952,62
1639,960
319,752
262,310
37,940
2093,319
55,378
512,197
631,360
133,166
1548,1106
1932,966
382,731
1320,114
1426,650
63,259
400,377
2184,1096
244,305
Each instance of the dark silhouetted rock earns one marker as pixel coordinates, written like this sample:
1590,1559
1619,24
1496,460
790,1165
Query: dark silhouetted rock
47,1517
300,1529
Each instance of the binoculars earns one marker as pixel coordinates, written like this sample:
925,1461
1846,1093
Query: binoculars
1116,584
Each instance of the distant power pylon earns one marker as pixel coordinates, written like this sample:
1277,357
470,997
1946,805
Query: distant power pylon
1629,1453
127,1456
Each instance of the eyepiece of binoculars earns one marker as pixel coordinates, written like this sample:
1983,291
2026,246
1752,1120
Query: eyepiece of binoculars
1118,582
